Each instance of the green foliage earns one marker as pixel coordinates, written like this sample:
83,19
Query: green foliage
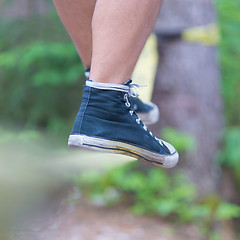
229,22
27,30
154,192
227,211
25,137
40,80
231,154
181,141
29,139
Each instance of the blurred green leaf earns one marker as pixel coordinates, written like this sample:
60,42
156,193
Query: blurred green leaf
41,82
181,141
227,211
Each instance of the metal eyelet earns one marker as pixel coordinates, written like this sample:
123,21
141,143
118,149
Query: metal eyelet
138,120
127,103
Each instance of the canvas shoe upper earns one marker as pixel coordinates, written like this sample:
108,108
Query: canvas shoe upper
147,111
107,122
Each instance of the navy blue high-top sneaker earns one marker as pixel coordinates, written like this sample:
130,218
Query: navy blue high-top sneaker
147,111
107,122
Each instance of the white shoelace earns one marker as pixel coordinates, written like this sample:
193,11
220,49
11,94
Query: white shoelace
131,112
134,91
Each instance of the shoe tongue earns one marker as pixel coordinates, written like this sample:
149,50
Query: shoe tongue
127,83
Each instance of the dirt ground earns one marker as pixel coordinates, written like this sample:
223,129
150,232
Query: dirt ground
72,217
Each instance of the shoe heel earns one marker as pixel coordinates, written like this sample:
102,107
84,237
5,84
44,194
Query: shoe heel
75,141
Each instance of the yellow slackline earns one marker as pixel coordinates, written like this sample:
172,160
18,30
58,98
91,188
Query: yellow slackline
207,35
145,70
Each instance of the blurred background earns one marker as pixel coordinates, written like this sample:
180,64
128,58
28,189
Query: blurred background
49,192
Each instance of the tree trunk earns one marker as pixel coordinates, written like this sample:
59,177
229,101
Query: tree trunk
187,89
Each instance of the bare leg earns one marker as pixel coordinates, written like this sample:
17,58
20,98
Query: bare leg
118,33
76,16
120,29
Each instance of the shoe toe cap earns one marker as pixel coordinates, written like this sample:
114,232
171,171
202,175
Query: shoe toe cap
172,150
171,160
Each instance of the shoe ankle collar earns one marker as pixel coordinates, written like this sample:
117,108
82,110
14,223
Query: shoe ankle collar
108,86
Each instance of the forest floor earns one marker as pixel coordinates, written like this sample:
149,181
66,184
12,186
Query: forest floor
32,172
71,217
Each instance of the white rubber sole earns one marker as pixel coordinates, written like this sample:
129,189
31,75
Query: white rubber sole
151,117
103,145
